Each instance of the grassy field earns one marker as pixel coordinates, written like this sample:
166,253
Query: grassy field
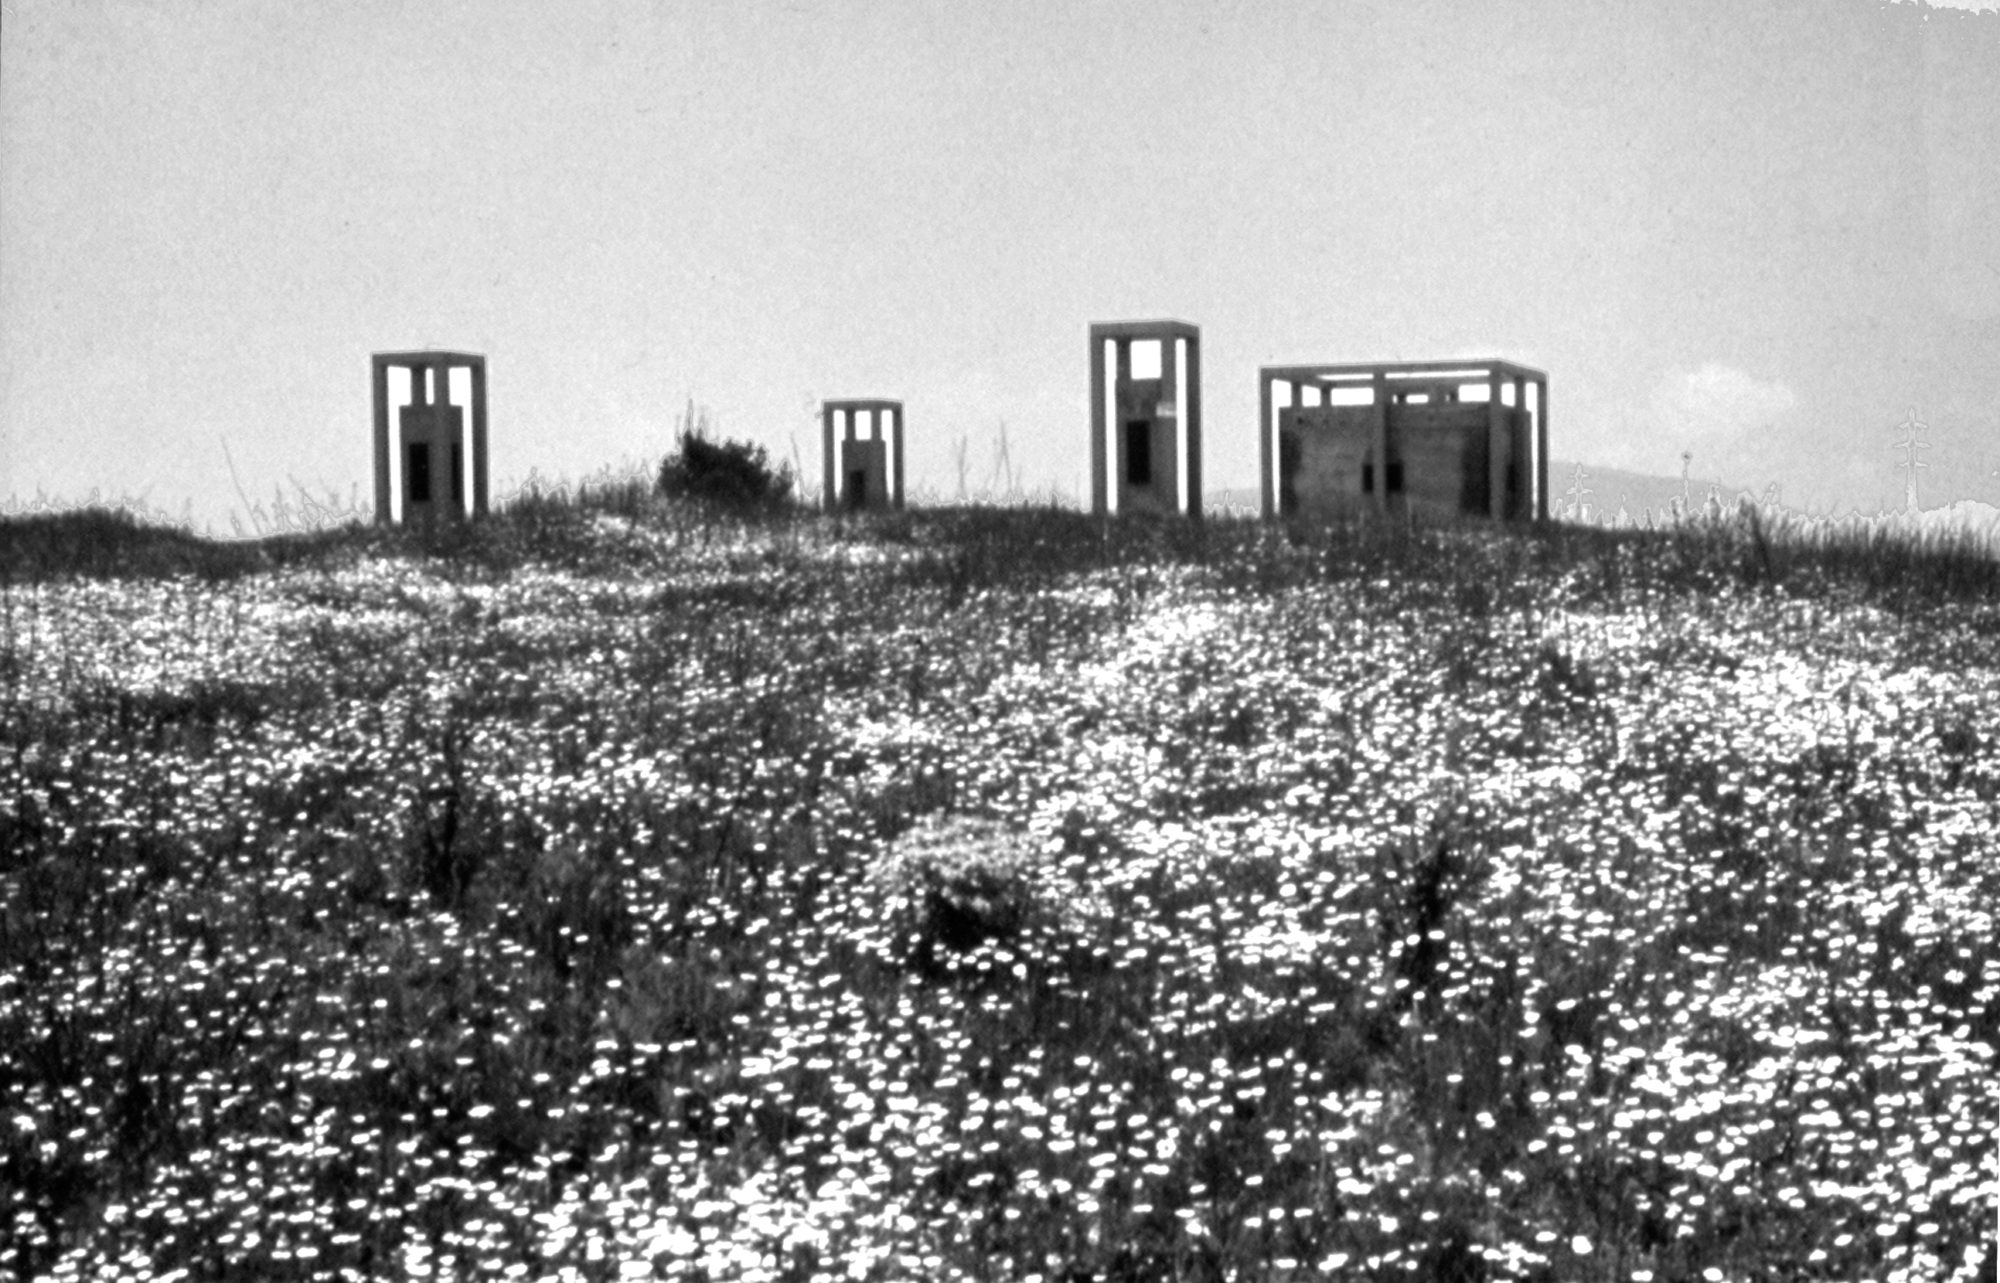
614,892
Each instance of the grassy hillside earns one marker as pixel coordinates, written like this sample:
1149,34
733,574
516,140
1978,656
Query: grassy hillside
996,895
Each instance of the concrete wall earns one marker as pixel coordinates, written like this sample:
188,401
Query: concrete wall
1437,459
870,459
438,430
1444,457
1321,454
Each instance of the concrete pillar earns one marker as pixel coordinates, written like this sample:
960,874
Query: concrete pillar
1098,465
831,498
1267,427
1496,441
1191,419
1121,373
896,418
479,437
1541,449
383,514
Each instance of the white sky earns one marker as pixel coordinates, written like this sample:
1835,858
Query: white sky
1763,232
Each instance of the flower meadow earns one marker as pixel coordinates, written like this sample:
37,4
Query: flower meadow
997,895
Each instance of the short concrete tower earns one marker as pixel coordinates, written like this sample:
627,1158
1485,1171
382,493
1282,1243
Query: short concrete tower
429,451
1149,412
859,472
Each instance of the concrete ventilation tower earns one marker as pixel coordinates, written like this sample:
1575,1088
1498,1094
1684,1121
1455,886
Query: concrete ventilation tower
1153,410
859,474
428,456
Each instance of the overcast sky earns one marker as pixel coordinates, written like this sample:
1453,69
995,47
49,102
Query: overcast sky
1765,233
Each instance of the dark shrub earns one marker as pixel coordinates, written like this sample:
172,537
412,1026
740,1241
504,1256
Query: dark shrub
951,885
732,474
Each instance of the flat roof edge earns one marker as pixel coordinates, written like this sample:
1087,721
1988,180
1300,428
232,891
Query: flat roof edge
430,356
1447,368
1143,329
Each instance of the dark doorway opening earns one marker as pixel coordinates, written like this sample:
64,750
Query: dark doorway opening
1139,452
1395,478
417,473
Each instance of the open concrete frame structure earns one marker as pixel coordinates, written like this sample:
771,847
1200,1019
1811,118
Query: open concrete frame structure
1122,334
875,409
1395,381
443,363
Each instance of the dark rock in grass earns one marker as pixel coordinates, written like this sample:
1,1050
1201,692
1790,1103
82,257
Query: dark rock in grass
1452,1257
953,884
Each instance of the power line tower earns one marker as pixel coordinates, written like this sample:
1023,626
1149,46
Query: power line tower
1574,506
1910,444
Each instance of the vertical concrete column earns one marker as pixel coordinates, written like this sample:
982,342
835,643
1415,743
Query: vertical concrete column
850,425
1496,438
1267,428
1521,445
479,437
1541,449
896,484
830,497
1121,367
1098,468
1121,376
1381,388
380,383
1191,418
1177,437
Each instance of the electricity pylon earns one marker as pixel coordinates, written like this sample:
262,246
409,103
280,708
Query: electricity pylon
1910,443
1577,492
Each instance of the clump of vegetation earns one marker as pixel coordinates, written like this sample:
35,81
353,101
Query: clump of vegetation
114,542
556,897
727,473
952,885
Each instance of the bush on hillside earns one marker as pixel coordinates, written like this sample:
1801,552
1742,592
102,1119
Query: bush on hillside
733,474
956,883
